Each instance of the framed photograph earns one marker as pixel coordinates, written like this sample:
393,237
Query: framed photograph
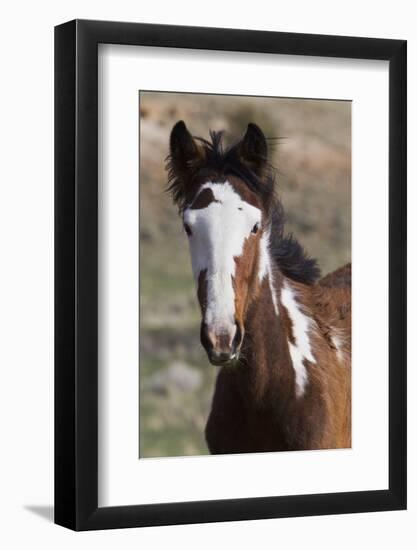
230,254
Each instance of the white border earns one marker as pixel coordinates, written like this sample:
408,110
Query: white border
123,479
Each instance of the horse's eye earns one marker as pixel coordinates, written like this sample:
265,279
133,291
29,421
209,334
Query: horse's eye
187,229
255,228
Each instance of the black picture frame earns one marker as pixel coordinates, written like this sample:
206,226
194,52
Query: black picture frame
76,272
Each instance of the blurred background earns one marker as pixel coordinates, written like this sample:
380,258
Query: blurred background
313,159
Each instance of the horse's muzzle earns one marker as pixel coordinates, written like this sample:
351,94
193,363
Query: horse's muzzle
221,344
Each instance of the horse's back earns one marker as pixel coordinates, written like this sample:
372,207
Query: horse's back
340,278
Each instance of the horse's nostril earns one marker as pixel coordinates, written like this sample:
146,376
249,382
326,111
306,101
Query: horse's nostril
204,337
220,343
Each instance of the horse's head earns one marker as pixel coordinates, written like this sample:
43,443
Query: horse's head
224,198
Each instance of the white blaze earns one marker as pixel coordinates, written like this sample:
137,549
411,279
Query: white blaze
301,349
338,343
218,235
265,269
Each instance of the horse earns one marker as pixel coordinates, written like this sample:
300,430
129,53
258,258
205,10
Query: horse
280,334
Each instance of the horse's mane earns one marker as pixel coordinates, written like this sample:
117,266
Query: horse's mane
227,161
287,252
289,255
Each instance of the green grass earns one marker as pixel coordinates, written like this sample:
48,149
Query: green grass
172,422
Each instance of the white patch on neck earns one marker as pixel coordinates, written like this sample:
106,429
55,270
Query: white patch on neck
337,340
301,350
218,234
265,269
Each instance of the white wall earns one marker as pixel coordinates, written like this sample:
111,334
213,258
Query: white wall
26,288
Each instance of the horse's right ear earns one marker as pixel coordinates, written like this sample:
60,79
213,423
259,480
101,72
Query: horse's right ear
253,149
184,152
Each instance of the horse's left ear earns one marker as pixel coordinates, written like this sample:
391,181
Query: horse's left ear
253,148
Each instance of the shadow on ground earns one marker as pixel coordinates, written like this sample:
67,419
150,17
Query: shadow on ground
45,512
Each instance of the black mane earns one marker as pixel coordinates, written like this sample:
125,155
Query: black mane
286,251
226,161
222,161
291,258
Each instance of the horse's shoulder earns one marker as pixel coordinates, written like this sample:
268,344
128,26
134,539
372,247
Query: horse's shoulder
332,299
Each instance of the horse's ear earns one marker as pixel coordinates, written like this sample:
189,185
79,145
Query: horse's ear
184,152
253,148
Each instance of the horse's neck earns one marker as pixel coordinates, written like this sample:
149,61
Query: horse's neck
276,345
